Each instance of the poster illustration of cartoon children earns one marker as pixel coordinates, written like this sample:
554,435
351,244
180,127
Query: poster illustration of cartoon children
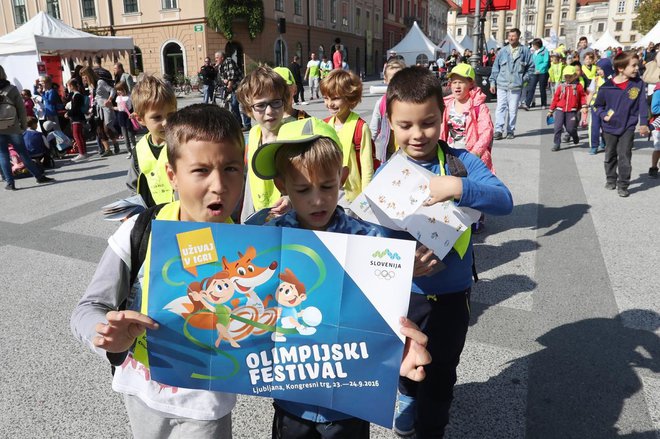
290,294
211,294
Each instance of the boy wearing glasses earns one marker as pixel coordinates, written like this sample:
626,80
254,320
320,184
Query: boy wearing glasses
265,97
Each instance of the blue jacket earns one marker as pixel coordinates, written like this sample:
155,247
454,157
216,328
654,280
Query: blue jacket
629,106
541,60
511,73
51,102
34,142
340,223
483,191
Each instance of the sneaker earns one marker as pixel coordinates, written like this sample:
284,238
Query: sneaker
117,149
510,136
43,179
10,187
497,136
556,148
524,106
623,192
107,153
404,415
79,157
129,156
566,138
592,151
653,172
610,185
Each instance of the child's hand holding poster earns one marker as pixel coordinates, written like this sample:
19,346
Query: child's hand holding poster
293,314
395,198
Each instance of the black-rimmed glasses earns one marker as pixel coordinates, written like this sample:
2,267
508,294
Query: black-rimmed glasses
261,106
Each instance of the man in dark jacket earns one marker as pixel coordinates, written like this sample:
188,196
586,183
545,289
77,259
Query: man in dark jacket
297,76
207,75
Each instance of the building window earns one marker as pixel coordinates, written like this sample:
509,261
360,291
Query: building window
358,12
636,8
377,22
550,2
415,10
408,7
619,26
279,5
494,20
546,33
344,14
459,31
88,9
633,38
621,7
53,8
297,7
530,19
368,20
548,17
564,15
333,11
601,27
508,20
400,7
169,4
135,62
131,6
390,7
562,32
20,15
319,9
581,31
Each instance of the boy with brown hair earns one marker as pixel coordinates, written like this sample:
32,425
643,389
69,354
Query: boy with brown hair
621,104
205,167
266,97
306,163
153,101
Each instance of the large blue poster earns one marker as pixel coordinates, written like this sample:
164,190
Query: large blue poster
292,314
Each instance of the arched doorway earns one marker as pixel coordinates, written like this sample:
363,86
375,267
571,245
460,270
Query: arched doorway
234,51
280,52
173,60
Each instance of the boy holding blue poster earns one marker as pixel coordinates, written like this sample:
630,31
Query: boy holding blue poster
439,304
305,163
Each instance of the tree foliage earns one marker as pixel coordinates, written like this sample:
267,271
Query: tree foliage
222,13
648,15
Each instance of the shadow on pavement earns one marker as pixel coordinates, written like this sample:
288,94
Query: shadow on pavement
536,216
645,183
491,292
577,384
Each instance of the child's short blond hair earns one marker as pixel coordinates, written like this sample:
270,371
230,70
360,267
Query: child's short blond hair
395,64
202,122
320,156
263,81
151,92
342,83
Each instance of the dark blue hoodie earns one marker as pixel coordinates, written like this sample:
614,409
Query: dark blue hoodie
629,106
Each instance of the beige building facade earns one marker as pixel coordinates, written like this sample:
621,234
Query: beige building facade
173,36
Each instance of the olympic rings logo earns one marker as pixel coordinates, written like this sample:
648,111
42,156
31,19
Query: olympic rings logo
384,274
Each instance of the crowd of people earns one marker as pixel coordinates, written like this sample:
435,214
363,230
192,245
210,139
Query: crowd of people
319,169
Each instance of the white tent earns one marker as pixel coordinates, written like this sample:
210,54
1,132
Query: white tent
415,46
652,37
466,42
448,44
492,43
44,35
606,40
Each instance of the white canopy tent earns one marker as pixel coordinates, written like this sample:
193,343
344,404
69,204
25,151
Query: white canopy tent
448,44
652,37
415,47
44,35
606,40
468,40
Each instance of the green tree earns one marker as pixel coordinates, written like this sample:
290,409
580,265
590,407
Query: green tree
222,13
648,15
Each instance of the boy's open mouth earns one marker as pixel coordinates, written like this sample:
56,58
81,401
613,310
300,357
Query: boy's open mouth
215,208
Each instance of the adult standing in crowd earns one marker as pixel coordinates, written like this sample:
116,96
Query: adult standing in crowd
511,70
230,75
313,73
13,122
583,48
541,66
101,94
122,76
51,100
299,95
207,75
337,57
101,72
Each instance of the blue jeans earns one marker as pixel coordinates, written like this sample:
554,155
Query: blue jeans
507,110
208,93
542,80
19,146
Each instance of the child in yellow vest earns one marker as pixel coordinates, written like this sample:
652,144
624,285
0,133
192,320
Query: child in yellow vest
266,97
589,69
556,71
153,102
342,91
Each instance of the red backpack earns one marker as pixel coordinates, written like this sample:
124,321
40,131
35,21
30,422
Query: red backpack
357,141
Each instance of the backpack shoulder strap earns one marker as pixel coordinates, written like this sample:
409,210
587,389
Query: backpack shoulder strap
357,134
456,166
140,239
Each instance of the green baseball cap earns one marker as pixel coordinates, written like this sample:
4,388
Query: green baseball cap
569,70
462,69
292,133
285,73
